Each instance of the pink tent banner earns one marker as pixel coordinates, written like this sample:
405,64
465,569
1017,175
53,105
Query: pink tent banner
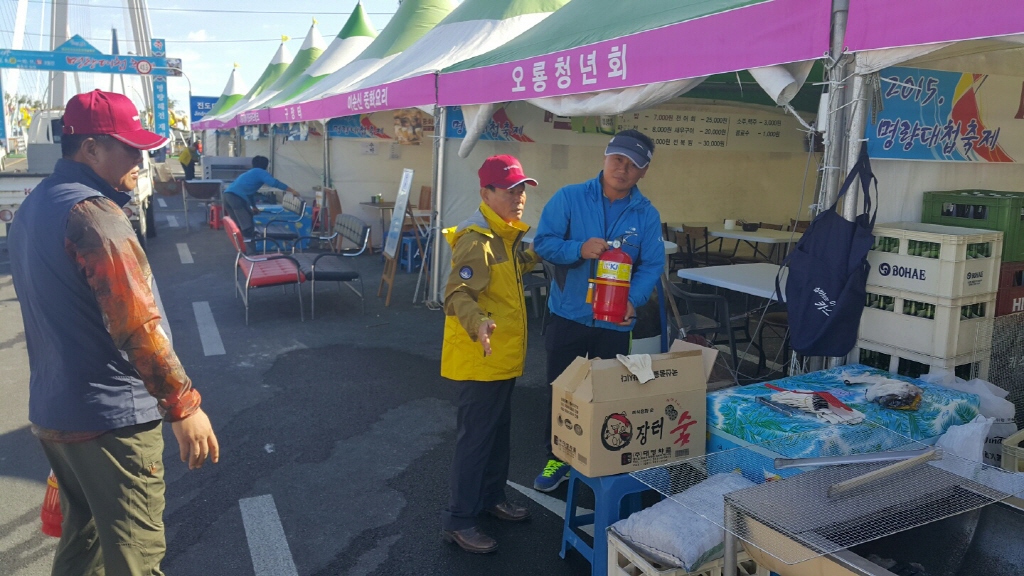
876,24
407,93
251,117
217,124
774,32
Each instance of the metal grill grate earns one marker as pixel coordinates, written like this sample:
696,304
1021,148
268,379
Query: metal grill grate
794,519
1007,364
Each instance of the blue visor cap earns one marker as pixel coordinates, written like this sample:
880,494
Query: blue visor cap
631,148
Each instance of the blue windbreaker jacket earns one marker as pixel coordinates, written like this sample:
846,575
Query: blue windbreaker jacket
574,215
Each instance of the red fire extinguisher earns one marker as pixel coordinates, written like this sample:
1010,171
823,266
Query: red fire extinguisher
610,286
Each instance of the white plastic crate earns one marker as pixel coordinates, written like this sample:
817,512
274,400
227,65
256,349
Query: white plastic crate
943,261
907,363
623,560
940,329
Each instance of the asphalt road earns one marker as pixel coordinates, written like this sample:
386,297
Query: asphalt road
343,421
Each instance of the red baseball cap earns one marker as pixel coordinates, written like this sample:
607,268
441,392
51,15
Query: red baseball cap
99,112
503,171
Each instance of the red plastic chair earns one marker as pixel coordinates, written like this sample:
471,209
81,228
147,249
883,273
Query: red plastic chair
262,271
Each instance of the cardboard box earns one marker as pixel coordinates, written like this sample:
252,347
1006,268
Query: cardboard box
604,421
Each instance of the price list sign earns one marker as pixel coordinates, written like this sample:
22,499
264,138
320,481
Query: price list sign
715,130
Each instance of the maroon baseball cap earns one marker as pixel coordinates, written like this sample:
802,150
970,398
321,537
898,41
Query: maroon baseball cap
100,112
503,171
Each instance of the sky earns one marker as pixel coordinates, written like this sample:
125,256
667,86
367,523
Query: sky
209,36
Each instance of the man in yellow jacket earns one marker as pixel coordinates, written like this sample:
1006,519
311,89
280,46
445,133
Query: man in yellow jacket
484,349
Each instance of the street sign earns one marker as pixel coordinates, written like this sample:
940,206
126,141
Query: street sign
200,105
77,55
174,66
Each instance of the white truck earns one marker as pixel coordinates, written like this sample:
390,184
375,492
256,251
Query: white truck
43,151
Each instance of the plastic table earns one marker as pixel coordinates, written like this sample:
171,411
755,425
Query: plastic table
754,279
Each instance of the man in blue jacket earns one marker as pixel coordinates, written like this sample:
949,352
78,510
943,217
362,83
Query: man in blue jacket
240,197
575,229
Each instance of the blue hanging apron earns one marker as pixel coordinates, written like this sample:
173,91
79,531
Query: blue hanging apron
828,272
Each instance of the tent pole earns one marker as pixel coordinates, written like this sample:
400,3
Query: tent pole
834,140
857,122
327,160
440,141
273,149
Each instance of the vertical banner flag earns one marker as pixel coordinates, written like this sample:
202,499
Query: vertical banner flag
948,116
161,118
3,111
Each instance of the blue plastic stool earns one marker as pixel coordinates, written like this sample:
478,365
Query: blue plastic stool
615,497
409,254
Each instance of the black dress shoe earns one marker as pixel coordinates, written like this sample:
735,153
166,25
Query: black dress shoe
509,512
471,540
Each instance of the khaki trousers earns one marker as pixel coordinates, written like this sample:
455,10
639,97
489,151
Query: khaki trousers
112,499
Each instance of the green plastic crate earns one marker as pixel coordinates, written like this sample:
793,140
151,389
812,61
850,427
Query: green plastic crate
987,209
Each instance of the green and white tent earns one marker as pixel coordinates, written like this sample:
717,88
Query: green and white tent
357,33
278,64
310,51
233,91
411,22
475,27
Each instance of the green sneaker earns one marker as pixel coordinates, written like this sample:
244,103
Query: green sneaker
553,475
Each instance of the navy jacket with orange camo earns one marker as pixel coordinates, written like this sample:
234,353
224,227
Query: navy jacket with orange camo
99,359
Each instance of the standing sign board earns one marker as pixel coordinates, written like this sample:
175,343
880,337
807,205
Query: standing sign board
394,234
398,214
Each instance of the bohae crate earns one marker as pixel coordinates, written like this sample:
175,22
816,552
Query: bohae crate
1010,299
988,209
911,364
935,260
929,325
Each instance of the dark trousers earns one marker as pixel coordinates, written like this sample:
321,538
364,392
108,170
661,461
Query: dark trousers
240,211
112,499
480,465
190,170
564,340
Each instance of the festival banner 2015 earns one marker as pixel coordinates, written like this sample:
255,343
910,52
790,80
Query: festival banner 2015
948,116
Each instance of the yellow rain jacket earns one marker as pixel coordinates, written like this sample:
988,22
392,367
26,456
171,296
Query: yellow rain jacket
486,281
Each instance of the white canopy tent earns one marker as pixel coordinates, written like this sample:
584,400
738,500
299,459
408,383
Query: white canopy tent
602,57
226,118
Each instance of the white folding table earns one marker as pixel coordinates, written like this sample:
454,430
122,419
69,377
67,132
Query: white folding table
759,236
754,279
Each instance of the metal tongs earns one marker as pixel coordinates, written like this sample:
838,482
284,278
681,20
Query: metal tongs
904,460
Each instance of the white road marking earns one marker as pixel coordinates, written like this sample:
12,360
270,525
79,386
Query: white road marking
172,220
268,546
208,333
184,253
553,504
161,202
